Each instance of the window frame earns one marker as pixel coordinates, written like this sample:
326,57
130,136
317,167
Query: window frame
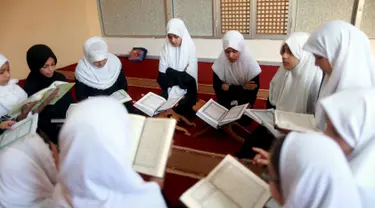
253,13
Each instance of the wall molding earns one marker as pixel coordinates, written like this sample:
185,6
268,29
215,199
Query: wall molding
153,84
208,60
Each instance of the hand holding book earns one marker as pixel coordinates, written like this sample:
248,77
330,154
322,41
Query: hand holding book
6,125
26,110
250,86
55,93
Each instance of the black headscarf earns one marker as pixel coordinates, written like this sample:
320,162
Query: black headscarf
36,57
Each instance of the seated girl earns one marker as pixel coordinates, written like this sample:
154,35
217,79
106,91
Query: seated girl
28,173
294,88
178,68
309,170
236,73
99,72
350,121
350,117
12,95
99,175
42,63
344,54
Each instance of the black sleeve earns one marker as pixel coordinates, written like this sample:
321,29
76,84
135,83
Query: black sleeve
217,84
121,81
163,83
82,91
245,96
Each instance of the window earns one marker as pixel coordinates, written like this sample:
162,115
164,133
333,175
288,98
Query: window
255,18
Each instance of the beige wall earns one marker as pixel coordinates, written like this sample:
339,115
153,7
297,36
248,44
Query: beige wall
63,25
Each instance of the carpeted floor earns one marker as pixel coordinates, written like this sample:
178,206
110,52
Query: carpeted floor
193,157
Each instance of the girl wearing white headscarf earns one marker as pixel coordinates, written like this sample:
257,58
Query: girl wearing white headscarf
344,53
11,95
236,73
94,171
299,177
297,77
98,72
178,67
350,122
302,81
28,174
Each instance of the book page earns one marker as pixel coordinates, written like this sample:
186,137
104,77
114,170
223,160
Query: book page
149,103
230,184
212,112
38,96
136,128
154,146
21,130
233,114
121,95
295,121
205,194
169,104
266,118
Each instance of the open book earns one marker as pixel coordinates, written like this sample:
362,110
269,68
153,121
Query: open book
152,104
228,185
151,142
121,95
265,118
217,115
62,120
43,94
20,130
295,121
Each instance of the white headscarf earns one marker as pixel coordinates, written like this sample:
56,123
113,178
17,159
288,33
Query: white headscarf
28,174
94,171
352,113
244,69
96,49
179,58
314,173
11,94
348,51
302,82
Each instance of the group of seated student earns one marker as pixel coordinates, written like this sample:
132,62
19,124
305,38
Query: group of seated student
308,170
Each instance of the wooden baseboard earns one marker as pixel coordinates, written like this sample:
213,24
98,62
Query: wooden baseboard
152,83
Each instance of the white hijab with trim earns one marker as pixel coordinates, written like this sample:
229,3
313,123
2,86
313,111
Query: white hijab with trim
244,69
10,94
314,173
181,58
94,169
303,81
28,174
349,52
96,49
352,113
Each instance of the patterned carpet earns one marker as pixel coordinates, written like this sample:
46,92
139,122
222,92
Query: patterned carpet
193,157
